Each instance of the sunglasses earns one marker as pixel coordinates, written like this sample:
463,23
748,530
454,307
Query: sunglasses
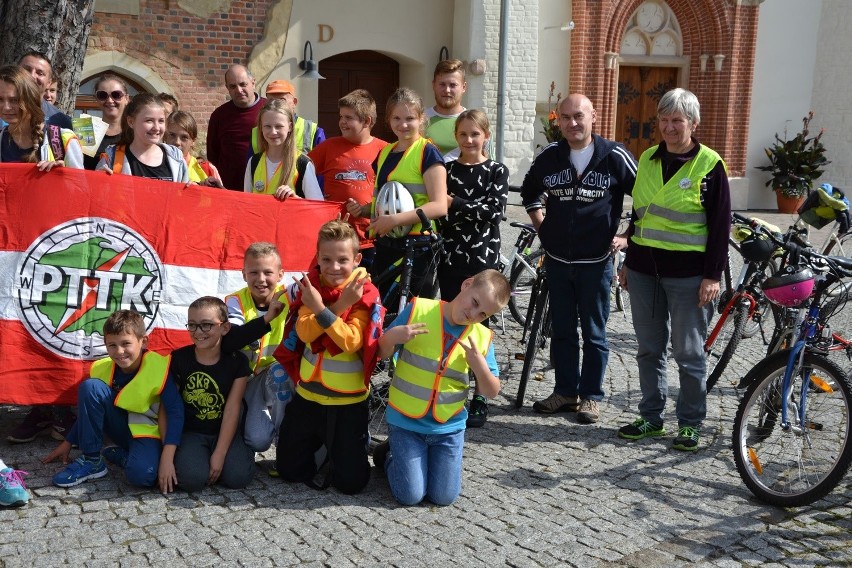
115,95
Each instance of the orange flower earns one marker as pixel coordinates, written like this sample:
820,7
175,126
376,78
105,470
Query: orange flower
552,115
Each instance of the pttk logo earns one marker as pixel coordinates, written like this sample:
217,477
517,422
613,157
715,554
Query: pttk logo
74,276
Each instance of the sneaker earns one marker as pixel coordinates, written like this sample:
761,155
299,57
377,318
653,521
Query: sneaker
115,455
588,412
37,421
687,439
639,429
80,470
477,414
62,424
13,492
380,454
557,403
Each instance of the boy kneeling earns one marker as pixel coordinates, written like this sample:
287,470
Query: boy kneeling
122,400
440,342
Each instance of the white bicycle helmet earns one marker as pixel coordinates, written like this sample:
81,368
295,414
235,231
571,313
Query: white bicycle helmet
789,289
394,198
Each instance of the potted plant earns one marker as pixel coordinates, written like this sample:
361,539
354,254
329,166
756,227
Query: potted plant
794,164
550,124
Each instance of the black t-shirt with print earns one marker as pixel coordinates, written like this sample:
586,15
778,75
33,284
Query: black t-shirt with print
137,168
205,388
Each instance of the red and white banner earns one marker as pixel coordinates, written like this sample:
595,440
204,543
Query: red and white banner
76,246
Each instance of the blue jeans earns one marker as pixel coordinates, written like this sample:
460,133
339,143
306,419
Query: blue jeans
579,292
97,415
424,466
663,310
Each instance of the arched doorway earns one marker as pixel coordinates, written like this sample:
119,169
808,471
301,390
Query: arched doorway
345,72
651,41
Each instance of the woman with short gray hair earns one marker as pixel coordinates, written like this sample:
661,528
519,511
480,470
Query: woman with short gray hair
677,252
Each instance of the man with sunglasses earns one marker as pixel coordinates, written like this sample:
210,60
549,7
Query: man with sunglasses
38,66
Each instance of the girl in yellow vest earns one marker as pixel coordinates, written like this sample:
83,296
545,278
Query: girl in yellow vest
279,169
440,342
139,151
26,138
181,132
416,163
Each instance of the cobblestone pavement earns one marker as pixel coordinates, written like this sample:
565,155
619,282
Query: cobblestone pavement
537,491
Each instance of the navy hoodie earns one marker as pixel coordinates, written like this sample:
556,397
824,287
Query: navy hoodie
582,214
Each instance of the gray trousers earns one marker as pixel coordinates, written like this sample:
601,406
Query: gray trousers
663,310
266,398
192,462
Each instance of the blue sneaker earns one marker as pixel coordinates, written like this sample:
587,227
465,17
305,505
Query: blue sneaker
115,455
13,492
80,470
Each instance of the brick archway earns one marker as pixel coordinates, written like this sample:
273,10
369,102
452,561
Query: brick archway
717,28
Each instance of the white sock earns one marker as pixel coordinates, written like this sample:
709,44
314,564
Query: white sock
2,465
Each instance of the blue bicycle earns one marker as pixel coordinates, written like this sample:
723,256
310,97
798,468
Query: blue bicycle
792,430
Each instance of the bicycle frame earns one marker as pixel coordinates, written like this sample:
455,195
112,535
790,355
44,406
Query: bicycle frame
746,272
797,351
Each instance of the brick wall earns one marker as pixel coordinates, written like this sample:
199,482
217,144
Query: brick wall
190,53
712,27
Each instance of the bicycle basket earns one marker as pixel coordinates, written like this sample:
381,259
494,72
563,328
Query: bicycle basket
394,198
824,205
754,246
789,289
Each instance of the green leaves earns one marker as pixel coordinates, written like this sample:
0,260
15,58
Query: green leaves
797,162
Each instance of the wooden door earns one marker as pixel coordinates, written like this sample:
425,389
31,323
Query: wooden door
345,72
639,92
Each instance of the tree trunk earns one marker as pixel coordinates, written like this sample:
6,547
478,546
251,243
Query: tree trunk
57,28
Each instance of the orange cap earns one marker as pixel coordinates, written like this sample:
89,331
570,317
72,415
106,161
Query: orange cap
280,88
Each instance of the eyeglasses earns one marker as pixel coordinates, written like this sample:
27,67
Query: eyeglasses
115,95
204,326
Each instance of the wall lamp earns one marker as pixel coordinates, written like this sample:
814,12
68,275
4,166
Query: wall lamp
308,65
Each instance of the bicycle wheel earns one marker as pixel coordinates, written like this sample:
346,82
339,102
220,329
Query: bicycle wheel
378,402
761,310
620,301
803,462
539,330
726,343
521,280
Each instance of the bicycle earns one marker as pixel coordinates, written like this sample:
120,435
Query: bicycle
620,301
538,326
741,305
792,429
396,298
522,270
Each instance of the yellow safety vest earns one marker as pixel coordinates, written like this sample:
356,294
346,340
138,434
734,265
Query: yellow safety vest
340,375
141,396
304,137
196,174
421,381
670,215
261,357
407,172
259,182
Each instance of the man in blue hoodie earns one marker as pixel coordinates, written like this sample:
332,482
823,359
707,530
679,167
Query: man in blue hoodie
585,179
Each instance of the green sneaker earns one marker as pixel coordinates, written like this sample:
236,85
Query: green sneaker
639,429
687,439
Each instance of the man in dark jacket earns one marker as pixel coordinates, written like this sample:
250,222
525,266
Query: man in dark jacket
584,178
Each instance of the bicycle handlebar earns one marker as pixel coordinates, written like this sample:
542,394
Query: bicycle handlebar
800,248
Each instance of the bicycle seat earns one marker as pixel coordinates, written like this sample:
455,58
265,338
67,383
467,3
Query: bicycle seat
519,225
